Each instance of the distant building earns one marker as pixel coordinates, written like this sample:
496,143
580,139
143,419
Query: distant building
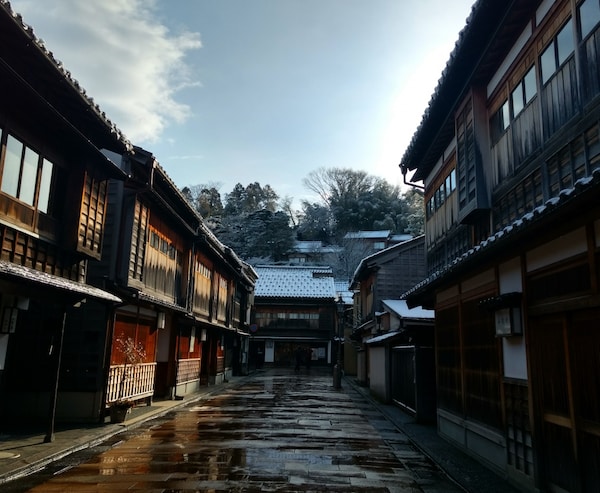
294,308
313,253
376,240
400,358
382,276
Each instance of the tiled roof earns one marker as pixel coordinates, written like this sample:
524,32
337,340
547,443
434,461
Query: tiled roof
368,234
39,43
26,274
294,282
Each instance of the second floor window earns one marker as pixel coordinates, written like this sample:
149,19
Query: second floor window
499,122
23,171
589,13
524,92
557,53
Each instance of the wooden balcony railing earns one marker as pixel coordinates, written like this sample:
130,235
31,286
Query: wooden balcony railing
130,382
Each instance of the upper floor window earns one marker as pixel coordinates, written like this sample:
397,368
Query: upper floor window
203,270
378,245
162,244
557,52
442,193
23,170
589,16
500,122
524,92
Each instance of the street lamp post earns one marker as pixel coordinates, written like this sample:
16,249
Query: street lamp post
337,369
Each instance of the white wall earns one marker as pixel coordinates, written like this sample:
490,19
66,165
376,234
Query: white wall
514,352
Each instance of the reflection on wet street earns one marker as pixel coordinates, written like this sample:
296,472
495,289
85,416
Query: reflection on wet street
277,431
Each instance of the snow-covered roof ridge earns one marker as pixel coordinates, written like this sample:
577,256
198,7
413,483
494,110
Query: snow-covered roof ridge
294,282
400,308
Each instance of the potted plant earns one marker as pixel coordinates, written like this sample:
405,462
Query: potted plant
134,354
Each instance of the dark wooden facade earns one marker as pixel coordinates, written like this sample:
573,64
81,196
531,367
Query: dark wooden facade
509,152
53,192
98,248
185,294
383,275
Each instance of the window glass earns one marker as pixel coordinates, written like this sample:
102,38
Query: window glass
453,178
499,122
12,166
565,42
28,176
517,100
529,83
589,14
548,63
45,183
505,115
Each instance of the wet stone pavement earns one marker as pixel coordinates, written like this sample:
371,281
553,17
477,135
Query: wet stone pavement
277,431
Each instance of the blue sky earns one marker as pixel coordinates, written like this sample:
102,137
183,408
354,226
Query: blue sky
228,91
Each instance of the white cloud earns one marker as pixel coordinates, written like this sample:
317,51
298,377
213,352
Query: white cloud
125,58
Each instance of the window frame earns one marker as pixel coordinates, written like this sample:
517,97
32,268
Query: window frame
554,48
34,187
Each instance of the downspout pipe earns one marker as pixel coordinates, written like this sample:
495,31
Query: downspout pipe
406,182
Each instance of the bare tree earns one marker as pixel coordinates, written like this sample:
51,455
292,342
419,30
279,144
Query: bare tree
335,184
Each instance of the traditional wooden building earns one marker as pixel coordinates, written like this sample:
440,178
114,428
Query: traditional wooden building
294,308
186,296
401,358
508,151
53,193
382,275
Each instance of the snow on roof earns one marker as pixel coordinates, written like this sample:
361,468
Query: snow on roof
368,234
382,337
341,289
308,246
400,238
400,308
294,282
22,273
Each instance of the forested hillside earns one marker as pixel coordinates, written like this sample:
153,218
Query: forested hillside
259,224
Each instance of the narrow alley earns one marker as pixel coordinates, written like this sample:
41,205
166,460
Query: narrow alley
276,431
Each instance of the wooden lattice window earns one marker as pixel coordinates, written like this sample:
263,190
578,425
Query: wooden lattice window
465,156
202,284
92,216
138,242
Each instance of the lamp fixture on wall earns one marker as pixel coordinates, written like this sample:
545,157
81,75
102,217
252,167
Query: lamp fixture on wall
507,313
161,320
